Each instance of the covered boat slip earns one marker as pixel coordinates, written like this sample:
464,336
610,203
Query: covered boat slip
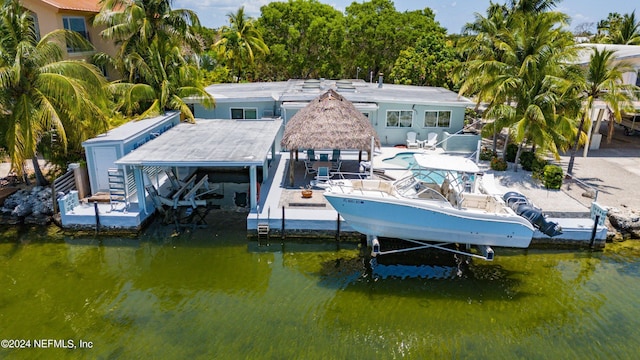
203,146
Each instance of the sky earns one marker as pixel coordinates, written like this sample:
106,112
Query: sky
451,14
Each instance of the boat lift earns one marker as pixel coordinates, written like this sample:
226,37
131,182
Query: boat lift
187,203
485,250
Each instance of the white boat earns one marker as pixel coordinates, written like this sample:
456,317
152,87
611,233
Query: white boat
440,201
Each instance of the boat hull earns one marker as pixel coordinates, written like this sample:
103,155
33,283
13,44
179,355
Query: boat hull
430,221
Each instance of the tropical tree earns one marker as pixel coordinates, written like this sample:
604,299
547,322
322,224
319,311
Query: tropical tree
239,42
157,56
134,24
40,92
375,33
617,29
304,39
603,82
429,63
521,63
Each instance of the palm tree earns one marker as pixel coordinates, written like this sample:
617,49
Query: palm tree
134,24
624,30
480,44
160,84
523,70
40,92
240,41
603,82
157,56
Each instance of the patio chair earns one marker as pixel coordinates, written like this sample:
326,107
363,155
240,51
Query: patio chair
308,168
336,165
324,157
311,155
335,155
323,174
412,142
432,140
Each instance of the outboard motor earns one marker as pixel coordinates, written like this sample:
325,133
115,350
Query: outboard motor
515,199
521,205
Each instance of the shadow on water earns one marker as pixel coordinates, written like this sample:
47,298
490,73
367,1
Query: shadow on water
422,274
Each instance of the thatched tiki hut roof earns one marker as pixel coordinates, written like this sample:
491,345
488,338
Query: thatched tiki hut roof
328,122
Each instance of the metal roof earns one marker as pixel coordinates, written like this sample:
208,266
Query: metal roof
621,52
354,90
131,129
208,143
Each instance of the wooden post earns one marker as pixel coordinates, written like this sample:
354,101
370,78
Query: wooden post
291,168
593,231
282,231
338,228
95,208
54,197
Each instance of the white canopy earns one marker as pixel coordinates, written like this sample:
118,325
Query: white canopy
446,162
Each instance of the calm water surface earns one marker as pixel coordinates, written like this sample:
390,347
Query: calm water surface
212,293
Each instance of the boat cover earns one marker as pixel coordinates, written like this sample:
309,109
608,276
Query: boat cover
445,162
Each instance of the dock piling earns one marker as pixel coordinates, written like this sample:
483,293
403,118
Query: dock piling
95,208
282,231
593,231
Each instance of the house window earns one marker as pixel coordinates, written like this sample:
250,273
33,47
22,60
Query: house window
437,119
242,113
35,25
399,118
77,24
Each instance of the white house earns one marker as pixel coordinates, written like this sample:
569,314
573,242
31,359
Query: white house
394,110
629,54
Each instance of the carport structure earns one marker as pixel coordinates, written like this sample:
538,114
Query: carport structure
206,144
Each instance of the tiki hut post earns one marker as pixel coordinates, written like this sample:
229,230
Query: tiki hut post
328,122
292,165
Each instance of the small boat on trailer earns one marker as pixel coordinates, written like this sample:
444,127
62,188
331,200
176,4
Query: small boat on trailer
441,202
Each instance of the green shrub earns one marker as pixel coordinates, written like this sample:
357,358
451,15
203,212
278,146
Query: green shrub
526,160
498,164
537,167
487,154
553,176
512,151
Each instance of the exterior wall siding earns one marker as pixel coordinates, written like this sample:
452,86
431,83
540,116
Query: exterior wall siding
390,136
125,145
50,19
222,110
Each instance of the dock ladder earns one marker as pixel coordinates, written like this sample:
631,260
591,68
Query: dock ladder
117,188
263,231
263,227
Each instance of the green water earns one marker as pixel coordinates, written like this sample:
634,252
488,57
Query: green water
214,294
